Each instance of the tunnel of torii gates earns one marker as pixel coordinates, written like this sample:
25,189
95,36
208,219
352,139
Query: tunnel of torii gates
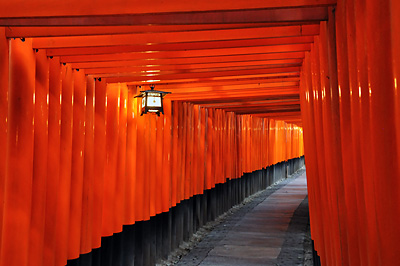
84,179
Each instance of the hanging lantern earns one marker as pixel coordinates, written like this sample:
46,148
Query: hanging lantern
152,101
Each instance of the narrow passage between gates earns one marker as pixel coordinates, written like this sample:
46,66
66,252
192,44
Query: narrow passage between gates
270,229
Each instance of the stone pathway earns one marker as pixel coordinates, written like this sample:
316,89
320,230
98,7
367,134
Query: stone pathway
269,230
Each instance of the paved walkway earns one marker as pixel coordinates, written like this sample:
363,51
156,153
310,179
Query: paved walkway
264,231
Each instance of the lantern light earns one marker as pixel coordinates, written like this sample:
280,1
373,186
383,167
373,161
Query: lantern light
152,101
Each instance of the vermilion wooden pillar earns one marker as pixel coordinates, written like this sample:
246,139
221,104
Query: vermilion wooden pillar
189,151
282,140
223,147
63,208
289,135
355,91
279,141
89,179
253,152
158,159
261,143
177,149
4,67
383,127
271,141
352,222
202,151
131,156
151,159
209,143
184,182
76,178
180,185
395,26
306,89
166,185
244,143
215,146
234,150
53,166
367,181
140,168
174,154
239,145
220,148
120,196
39,159
100,114
18,181
235,165
112,134
226,153
266,148
147,177
180,181
328,145
195,149
327,252
248,154
307,112
335,131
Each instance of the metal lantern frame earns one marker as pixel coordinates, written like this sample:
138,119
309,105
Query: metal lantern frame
151,93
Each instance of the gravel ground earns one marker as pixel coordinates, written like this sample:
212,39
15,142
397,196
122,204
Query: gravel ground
308,258
209,235
296,248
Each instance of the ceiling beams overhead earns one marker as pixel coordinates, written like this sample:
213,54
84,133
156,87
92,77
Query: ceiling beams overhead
86,11
180,18
243,56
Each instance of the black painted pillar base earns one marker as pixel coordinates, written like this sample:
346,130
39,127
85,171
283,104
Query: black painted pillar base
316,258
147,242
